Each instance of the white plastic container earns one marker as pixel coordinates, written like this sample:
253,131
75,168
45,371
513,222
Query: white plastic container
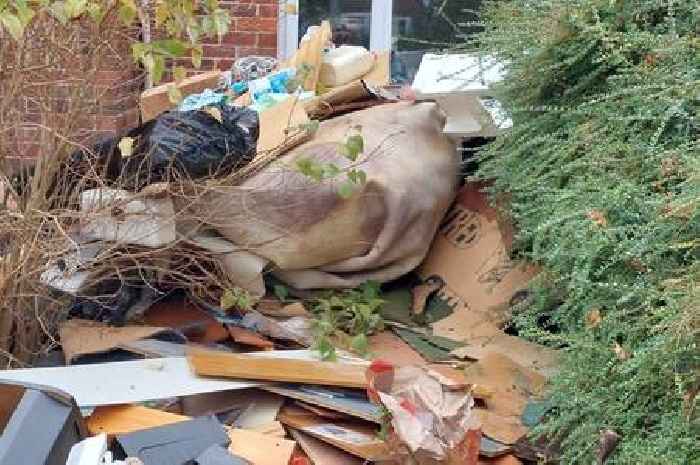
345,64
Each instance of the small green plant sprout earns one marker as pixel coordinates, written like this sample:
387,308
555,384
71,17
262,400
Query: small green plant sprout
351,148
346,319
236,299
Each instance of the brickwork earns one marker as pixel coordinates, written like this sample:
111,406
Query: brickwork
108,96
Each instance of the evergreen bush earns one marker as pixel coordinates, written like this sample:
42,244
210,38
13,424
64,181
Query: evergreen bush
602,176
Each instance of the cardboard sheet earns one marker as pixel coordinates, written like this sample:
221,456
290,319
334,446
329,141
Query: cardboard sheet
471,254
82,337
260,449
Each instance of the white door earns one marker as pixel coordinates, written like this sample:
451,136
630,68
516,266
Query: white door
408,28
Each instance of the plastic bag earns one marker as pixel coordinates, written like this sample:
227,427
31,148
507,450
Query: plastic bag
194,144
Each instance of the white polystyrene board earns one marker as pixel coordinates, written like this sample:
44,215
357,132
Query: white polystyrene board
139,380
456,73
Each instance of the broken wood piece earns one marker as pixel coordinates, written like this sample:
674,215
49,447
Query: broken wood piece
121,419
277,309
355,438
156,100
83,337
322,453
345,401
249,338
307,59
276,368
260,449
274,428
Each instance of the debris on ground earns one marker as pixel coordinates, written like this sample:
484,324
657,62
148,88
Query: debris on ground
279,275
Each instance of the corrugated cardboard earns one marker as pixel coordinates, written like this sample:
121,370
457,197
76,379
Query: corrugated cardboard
470,253
155,101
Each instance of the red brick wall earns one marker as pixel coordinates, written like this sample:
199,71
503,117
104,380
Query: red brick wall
118,82
253,31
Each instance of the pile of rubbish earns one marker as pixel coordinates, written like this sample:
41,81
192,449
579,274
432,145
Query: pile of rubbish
197,277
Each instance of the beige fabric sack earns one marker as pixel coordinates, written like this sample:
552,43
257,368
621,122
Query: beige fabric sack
316,239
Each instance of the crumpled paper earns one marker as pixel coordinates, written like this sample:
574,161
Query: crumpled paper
427,417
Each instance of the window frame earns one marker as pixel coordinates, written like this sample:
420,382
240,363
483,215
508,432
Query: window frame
288,27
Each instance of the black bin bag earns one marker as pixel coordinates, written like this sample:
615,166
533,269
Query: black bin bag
192,144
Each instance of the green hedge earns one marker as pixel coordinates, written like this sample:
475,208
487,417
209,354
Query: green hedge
602,173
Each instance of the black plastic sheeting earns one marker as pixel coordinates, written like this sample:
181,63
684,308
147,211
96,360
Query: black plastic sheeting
193,144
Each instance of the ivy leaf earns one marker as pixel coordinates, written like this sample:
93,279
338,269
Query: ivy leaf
174,94
12,24
346,189
126,146
214,113
357,177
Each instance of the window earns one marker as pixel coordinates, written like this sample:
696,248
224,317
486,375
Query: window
408,27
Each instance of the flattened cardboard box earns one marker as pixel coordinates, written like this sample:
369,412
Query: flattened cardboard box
470,253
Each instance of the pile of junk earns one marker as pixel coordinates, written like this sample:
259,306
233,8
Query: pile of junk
286,267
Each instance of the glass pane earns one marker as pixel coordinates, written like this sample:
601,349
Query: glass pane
350,19
421,26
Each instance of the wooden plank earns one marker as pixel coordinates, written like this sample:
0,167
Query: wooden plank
274,428
155,101
121,419
260,449
322,453
245,366
359,439
351,403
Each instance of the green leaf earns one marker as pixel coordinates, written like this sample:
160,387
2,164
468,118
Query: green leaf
97,13
174,94
158,68
179,73
58,11
24,12
325,349
281,292
174,48
75,8
197,53
330,170
126,146
346,189
360,344
138,50
162,13
12,24
221,22
214,113
228,300
353,147
127,15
